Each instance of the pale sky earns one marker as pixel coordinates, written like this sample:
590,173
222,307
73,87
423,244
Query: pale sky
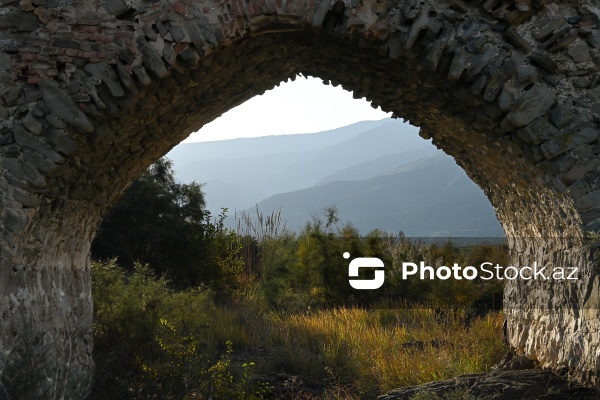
302,106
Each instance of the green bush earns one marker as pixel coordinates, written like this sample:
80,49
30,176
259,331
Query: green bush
152,342
164,224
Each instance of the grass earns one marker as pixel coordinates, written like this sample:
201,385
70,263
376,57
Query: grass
153,342
367,351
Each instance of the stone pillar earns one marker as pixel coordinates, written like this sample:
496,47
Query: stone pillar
45,301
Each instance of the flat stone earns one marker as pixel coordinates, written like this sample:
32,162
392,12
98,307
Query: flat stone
177,32
11,42
190,56
526,76
590,216
61,105
578,172
126,56
579,52
562,116
459,62
66,44
433,57
126,78
478,85
543,60
517,40
24,172
534,103
13,221
26,199
500,77
195,33
29,23
538,131
588,200
49,168
115,7
27,139
564,41
11,18
106,74
60,141
568,140
320,11
142,75
55,122
593,38
203,24
152,59
549,29
12,96
475,45
32,123
505,100
480,61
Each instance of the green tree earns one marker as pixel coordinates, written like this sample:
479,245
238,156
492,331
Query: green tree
164,224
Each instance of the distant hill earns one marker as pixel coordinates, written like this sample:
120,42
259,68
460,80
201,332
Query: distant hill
265,145
379,165
275,164
380,174
430,197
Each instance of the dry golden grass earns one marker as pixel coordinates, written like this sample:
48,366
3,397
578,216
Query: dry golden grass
367,351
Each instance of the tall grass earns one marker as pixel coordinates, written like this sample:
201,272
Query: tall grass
370,351
153,342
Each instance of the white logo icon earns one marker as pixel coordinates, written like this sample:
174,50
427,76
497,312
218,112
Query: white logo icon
365,262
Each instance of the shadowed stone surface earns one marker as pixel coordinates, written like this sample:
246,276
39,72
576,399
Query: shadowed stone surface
92,92
533,384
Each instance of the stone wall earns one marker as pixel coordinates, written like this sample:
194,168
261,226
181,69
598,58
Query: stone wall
92,92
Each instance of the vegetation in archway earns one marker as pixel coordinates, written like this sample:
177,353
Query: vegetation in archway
194,310
164,224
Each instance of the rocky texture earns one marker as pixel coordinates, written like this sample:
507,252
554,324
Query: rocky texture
92,92
533,384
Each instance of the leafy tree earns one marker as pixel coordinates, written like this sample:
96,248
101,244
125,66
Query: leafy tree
164,224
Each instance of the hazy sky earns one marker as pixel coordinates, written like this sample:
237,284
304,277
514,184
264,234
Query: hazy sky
302,106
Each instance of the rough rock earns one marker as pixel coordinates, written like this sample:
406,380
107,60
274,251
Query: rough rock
532,384
61,105
533,104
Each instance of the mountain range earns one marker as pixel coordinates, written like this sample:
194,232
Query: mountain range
379,174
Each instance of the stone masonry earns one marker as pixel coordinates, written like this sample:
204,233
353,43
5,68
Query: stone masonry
93,91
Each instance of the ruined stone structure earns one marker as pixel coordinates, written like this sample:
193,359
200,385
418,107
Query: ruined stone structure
93,91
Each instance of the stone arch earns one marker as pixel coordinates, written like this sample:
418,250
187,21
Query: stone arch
94,91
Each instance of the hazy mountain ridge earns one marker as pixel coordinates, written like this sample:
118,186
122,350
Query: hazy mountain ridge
441,201
265,145
283,163
380,175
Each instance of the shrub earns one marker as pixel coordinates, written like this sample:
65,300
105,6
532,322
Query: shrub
152,342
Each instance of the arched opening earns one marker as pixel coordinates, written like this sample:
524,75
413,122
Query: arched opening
82,124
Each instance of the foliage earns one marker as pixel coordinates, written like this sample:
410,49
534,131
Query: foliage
155,331
307,270
164,224
365,351
153,342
